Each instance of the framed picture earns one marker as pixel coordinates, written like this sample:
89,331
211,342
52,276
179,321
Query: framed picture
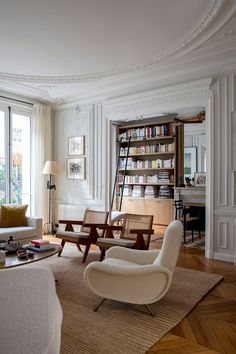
200,179
76,168
190,161
76,145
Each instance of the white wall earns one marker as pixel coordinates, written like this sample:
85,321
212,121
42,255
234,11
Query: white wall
73,196
93,121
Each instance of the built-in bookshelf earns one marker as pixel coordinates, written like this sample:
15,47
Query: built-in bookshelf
146,160
146,167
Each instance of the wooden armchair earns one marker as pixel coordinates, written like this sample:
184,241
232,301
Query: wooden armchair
135,232
89,231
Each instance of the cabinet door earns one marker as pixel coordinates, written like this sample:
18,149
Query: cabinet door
128,205
152,208
166,211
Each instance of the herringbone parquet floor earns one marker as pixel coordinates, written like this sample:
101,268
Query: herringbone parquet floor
211,326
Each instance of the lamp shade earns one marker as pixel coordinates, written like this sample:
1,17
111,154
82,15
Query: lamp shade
50,168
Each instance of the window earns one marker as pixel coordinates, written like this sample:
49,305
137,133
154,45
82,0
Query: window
15,157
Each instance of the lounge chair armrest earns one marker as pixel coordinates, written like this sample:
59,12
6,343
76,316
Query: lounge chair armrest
132,255
135,269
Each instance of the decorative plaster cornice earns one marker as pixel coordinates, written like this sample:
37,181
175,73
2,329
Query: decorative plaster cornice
129,105
24,90
204,21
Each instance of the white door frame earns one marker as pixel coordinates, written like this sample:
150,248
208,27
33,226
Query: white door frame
169,99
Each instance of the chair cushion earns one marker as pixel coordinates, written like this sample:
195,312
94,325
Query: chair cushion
115,242
60,234
13,215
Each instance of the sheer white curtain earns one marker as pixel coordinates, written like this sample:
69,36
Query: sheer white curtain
41,152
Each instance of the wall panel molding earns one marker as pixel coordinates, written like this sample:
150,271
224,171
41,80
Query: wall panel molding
223,148
222,234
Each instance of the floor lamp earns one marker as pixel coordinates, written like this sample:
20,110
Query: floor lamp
51,169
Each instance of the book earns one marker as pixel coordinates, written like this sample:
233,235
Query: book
36,249
40,246
39,242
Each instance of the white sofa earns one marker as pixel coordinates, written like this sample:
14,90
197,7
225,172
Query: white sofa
30,312
24,233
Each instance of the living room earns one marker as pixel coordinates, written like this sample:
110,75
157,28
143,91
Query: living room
88,68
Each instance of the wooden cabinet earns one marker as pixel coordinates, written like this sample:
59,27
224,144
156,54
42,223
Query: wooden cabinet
161,209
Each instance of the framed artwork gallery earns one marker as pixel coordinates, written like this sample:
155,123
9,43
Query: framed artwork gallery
76,168
76,145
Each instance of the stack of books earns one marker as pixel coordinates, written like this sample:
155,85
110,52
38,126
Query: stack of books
138,191
150,192
40,245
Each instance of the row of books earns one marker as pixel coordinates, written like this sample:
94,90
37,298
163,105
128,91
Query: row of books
156,178
148,192
148,149
39,245
158,163
148,132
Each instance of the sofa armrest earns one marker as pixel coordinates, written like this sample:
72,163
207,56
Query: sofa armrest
32,314
36,223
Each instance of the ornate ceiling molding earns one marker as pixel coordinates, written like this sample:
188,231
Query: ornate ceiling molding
205,20
133,106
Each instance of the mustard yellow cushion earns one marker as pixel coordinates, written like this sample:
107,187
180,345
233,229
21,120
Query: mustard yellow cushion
13,215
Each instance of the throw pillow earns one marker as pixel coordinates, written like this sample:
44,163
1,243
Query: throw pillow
13,215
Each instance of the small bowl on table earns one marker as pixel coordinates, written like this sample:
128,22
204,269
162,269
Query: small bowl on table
22,254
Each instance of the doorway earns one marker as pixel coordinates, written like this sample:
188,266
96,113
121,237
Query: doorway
195,168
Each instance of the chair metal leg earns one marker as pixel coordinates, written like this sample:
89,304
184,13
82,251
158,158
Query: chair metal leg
149,310
99,305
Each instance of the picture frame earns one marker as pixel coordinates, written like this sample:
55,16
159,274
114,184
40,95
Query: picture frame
190,161
200,179
76,145
76,168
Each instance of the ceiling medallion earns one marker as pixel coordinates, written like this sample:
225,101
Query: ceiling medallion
204,21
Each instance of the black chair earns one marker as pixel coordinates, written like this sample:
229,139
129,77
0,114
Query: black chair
188,216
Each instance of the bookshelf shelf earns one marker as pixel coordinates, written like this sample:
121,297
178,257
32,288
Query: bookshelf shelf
148,184
150,154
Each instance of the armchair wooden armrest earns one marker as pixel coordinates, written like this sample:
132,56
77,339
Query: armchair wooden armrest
109,229
142,231
75,222
140,243
70,223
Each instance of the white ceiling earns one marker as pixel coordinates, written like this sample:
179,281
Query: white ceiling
54,49
76,37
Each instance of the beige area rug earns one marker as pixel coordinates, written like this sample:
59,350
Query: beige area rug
118,328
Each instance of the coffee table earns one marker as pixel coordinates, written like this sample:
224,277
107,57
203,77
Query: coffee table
12,260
